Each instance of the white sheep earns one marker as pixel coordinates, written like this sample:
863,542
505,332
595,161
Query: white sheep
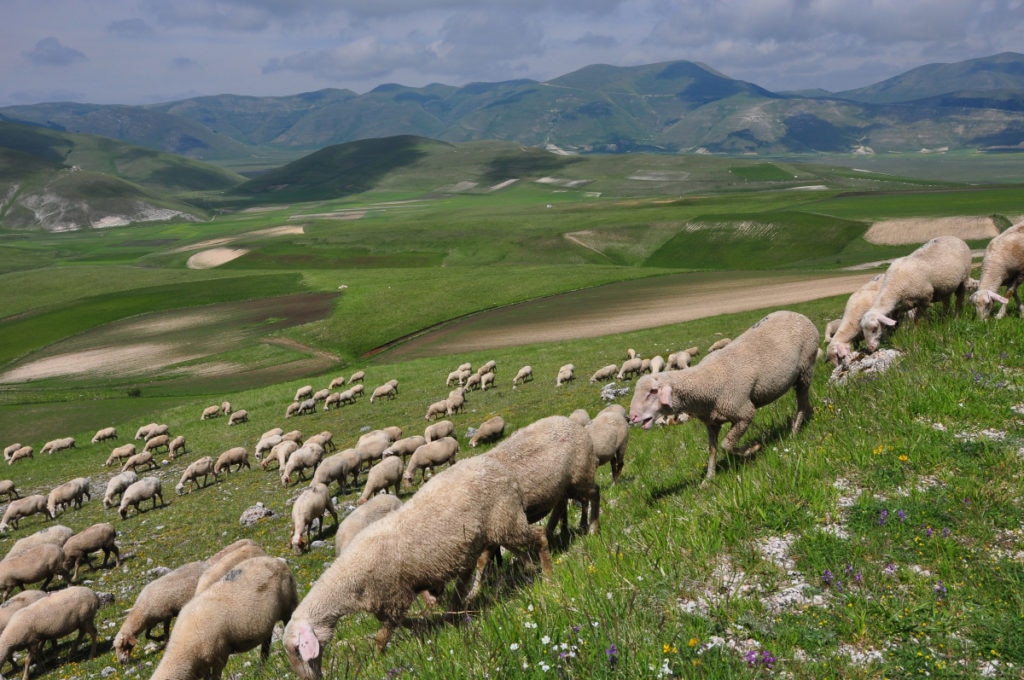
49,619
8,489
337,468
55,534
201,467
386,390
279,454
847,331
609,433
143,430
304,392
1003,265
116,486
157,603
309,509
10,449
356,390
160,441
431,455
16,602
321,395
124,451
139,459
55,445
20,454
324,439
630,368
333,399
225,407
472,382
147,488
209,628
458,376
265,444
157,429
78,547
336,382
658,364
307,456
441,428
729,385
176,447
74,491
403,448
363,516
304,407
437,409
272,431
239,416
523,375
456,401
604,373
486,380
294,436
21,508
491,429
104,434
682,358
210,412
236,455
566,373
936,271
292,409
434,537
226,559
385,474
358,376
39,563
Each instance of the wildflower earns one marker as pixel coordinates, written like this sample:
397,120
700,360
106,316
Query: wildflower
904,458
545,640
693,642
826,577
669,649
901,515
890,569
882,516
514,646
946,532
928,532
613,654
940,590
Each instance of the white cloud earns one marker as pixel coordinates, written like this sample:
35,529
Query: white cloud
50,52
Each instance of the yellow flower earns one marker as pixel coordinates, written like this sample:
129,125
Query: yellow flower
904,458
693,642
669,649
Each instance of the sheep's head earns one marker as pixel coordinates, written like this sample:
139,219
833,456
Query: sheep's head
650,397
304,649
123,645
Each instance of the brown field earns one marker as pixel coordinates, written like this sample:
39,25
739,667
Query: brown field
921,229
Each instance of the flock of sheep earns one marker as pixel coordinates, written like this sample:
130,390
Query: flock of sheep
389,552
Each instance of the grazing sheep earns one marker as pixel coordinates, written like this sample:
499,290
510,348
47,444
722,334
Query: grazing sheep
145,458
938,270
429,456
55,445
56,534
49,619
718,344
147,488
321,395
307,456
491,429
116,486
363,516
386,390
20,454
604,373
456,401
338,467
201,467
486,380
143,430
630,368
580,416
403,448
437,409
210,412
392,432
472,382
729,385
553,460
309,508
39,563
305,407
8,489
21,508
292,409
566,373
324,439
63,495
681,359
1003,265
160,441
237,455
436,536
293,436
336,382
226,559
209,629
609,433
99,536
266,444
382,476
239,416
304,392
358,376
225,407
371,445
523,375
176,447
156,430
459,376
124,451
104,434
357,390
10,449
488,367
272,431
280,454
847,331
657,364
157,603
333,399
348,396
16,602
442,428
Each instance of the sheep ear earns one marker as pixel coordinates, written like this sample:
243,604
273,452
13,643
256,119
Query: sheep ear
888,321
309,646
665,395
998,298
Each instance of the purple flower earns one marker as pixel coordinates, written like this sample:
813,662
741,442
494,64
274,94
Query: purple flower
890,569
882,516
751,658
928,532
768,659
940,590
826,577
946,532
902,515
613,654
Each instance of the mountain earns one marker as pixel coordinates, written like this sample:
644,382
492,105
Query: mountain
669,107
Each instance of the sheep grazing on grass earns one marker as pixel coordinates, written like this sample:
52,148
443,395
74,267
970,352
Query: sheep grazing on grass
238,417
157,429
160,441
116,486
337,382
362,517
522,376
55,534
681,359
57,445
604,373
630,368
306,457
566,373
16,602
436,409
74,492
324,439
143,430
39,563
20,454
490,430
304,392
847,331
140,459
99,536
201,467
382,476
309,509
386,390
210,412
21,508
49,619
729,385
209,628
371,446
10,449
429,456
266,444
337,468
279,454
225,407
457,376
434,537
321,395
236,455
147,488
104,434
609,433
403,448
1003,265
486,380
226,559
937,271
121,452
157,603
472,382
8,489
334,399
442,428
176,447
358,376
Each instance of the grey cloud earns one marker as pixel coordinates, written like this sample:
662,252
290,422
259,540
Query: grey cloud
130,28
361,59
482,38
596,41
50,52
183,63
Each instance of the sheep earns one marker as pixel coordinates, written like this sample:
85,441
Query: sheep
49,619
209,628
466,366
730,384
371,445
337,468
201,467
63,495
333,399
456,401
580,416
304,392
437,409
386,390
157,603
279,453
566,373
56,445
139,459
20,454
226,559
225,407
442,428
39,563
99,536
308,455
336,382
473,381
383,475
147,488
847,331
144,430
156,430
489,430
10,449
392,432
236,455
357,390
937,270
629,368
429,456
457,376
160,441
356,377
239,416
271,432
1003,265
210,412
321,395
56,534
718,344
486,380
657,364
119,452
394,383
304,408
554,461
17,602
403,448
292,409
488,367
434,537
176,447
348,396
324,439
266,444
522,376
21,508
604,373
104,434
116,486
310,507
681,359
7,488
609,433
293,436
364,515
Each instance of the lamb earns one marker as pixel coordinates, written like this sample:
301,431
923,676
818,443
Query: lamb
124,451
306,456
38,563
383,475
21,508
336,382
237,455
55,445
160,441
1003,265
429,456
386,390
63,495
176,447
630,367
147,488
847,331
566,374
363,516
210,412
337,468
489,430
20,454
604,373
201,467
104,434
609,433
96,537
280,453
522,376
437,409
938,270
140,459
403,448
7,488
238,417
49,619
116,486
310,507
157,603
442,428
434,537
730,384
304,392
209,628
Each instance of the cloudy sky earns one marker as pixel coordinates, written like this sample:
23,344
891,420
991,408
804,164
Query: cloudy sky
143,51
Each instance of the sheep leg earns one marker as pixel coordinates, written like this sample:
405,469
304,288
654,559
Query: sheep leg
804,409
713,431
478,573
383,635
595,506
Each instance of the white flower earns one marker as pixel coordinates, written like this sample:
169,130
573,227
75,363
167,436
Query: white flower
514,646
545,640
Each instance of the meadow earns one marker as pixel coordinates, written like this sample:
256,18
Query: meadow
880,541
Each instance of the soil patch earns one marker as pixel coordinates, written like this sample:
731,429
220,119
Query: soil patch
921,229
214,257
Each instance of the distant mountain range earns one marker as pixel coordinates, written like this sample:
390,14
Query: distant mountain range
667,107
